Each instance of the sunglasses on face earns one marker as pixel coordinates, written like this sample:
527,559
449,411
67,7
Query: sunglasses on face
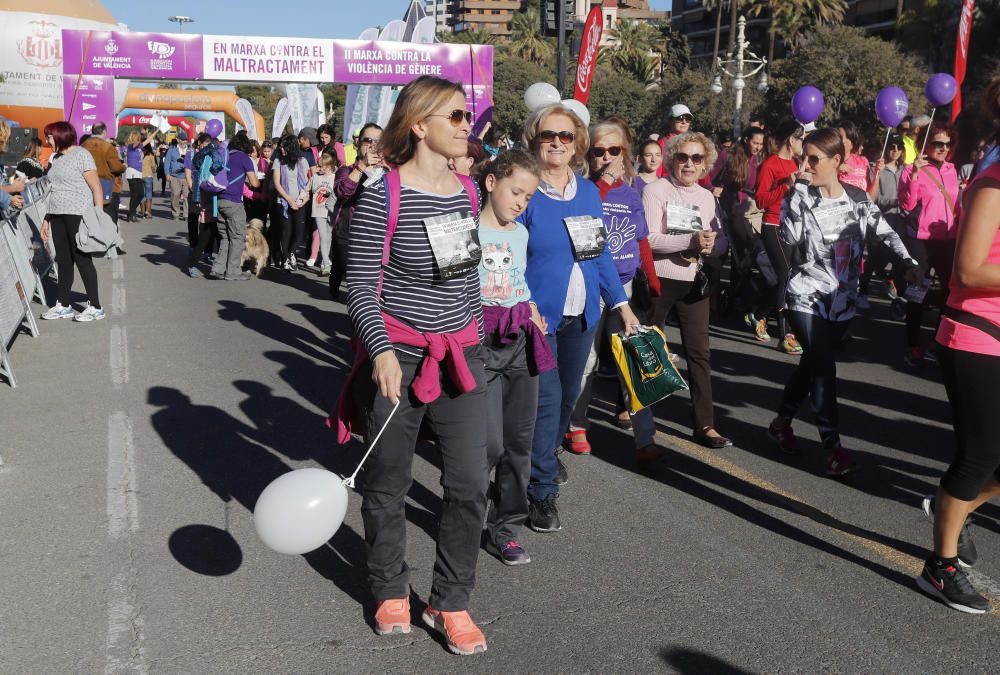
683,157
548,136
456,117
684,118
940,145
597,152
368,139
814,160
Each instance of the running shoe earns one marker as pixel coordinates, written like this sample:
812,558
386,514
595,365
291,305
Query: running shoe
392,616
562,476
58,311
968,554
790,345
840,462
576,442
324,270
914,357
758,326
193,272
649,453
863,302
460,631
311,263
509,552
784,437
90,314
891,290
951,586
543,515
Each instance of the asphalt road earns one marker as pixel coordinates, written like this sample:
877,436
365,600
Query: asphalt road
134,450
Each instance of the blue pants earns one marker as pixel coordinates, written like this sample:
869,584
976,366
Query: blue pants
147,188
558,390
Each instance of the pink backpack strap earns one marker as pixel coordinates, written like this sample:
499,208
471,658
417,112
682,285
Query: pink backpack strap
390,182
470,188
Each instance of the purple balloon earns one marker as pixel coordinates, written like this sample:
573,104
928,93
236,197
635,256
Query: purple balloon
940,89
807,104
891,106
213,128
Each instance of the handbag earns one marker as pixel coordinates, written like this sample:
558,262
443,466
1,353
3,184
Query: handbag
706,279
645,368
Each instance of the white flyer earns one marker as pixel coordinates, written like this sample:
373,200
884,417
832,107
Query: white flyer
454,240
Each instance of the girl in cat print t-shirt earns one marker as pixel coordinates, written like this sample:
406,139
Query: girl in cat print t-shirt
516,350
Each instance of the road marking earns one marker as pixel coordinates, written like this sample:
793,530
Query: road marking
123,507
901,561
119,356
125,650
118,299
117,268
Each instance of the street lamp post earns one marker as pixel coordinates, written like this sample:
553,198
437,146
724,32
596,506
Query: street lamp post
181,20
743,59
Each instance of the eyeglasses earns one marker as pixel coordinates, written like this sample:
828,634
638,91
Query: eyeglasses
456,117
685,118
547,136
940,145
367,139
683,157
597,152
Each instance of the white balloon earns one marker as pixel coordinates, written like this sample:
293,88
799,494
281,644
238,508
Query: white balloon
580,110
540,94
301,510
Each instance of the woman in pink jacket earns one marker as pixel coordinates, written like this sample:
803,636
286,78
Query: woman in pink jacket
928,192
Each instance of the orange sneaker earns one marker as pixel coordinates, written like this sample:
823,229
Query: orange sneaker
576,442
392,616
463,635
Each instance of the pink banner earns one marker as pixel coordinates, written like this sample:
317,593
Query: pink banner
133,55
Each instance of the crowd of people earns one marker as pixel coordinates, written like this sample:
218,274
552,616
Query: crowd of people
473,299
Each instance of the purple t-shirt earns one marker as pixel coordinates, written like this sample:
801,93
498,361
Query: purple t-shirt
133,157
239,166
188,156
625,222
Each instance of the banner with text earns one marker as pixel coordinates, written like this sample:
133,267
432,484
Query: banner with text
89,99
133,55
267,59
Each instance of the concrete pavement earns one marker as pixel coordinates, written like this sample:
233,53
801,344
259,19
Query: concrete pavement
135,449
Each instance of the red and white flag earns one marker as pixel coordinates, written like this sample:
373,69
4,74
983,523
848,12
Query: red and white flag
589,46
962,53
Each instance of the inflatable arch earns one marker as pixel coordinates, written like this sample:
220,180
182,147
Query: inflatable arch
191,100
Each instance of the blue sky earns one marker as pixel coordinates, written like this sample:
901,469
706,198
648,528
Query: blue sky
294,18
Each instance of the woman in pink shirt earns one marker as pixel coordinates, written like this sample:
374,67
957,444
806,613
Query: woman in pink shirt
928,192
969,339
854,171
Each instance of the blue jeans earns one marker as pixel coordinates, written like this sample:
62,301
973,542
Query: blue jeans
147,188
558,390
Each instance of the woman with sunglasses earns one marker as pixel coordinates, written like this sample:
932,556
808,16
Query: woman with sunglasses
348,187
969,341
928,192
824,225
680,123
625,224
776,176
568,277
409,320
687,238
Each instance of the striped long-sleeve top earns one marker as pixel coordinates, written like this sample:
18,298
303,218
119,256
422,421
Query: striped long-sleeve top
411,289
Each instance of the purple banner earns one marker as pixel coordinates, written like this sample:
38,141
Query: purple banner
89,99
370,62
133,55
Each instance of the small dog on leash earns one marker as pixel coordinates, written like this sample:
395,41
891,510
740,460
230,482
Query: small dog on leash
255,250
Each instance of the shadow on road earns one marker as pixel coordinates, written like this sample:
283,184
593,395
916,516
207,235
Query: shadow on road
692,662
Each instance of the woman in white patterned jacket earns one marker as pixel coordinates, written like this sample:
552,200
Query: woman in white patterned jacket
825,225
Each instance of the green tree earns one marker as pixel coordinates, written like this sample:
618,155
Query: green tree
614,94
794,20
512,76
713,113
639,67
849,68
526,40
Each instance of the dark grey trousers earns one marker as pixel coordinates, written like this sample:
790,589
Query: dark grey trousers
512,397
456,420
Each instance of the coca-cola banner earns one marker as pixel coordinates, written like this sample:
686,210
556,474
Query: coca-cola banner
962,54
589,47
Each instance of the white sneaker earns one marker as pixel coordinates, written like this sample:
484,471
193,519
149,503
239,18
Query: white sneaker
292,261
90,314
58,312
863,302
311,263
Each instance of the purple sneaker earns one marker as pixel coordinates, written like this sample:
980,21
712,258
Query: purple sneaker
840,463
784,437
509,552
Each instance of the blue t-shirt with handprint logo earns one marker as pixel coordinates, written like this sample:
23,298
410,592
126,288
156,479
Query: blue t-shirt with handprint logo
625,222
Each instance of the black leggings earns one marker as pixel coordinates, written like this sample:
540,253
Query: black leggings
779,255
970,380
929,253
135,194
816,375
63,229
292,230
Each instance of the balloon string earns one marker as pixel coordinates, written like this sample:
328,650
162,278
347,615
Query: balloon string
349,482
888,130
927,133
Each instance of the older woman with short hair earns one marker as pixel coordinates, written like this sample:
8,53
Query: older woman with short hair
568,277
685,233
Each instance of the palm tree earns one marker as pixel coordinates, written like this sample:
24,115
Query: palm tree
636,36
716,6
637,66
525,39
793,19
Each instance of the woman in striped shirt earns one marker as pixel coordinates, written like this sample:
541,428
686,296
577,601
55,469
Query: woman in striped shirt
412,312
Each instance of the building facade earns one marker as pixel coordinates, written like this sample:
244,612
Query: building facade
490,15
439,10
